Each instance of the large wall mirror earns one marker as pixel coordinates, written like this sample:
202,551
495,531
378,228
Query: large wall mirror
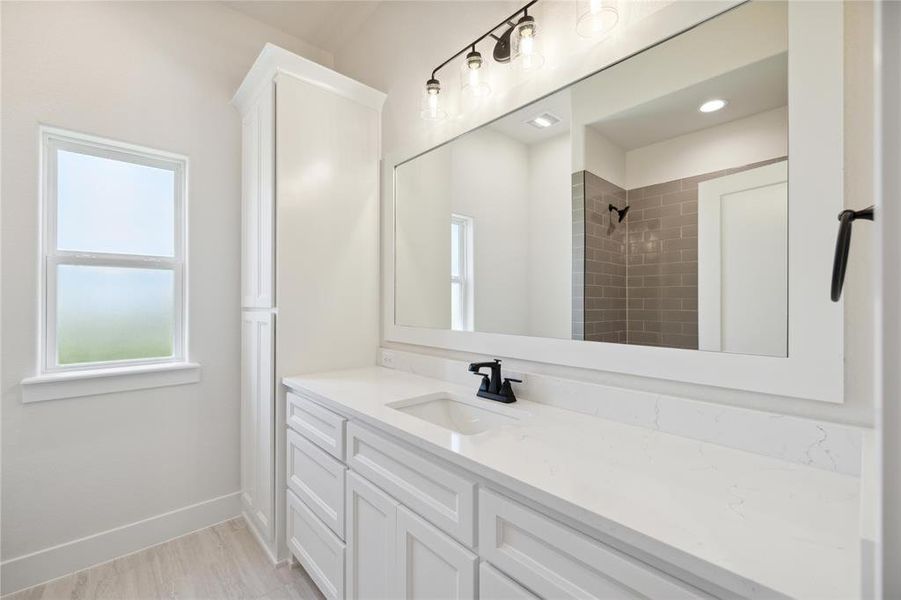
646,204
671,216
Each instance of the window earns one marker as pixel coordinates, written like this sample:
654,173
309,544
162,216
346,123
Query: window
461,273
114,254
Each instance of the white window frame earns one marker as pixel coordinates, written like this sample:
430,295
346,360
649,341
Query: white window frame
467,276
53,140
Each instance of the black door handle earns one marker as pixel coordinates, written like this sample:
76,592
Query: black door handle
843,245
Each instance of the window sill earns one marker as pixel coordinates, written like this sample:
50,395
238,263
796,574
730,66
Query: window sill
73,384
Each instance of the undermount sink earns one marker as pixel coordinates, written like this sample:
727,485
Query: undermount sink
468,416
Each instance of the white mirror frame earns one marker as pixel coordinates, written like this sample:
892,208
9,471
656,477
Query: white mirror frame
814,368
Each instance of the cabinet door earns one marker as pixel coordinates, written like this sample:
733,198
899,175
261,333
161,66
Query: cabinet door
430,564
257,202
494,585
370,535
257,404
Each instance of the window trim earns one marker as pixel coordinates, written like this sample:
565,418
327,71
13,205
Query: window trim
51,141
467,276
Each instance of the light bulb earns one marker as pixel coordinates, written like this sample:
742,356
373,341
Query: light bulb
527,45
472,76
431,105
597,18
525,49
712,105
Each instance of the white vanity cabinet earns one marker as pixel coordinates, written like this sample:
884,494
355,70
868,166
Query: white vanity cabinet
429,563
257,200
371,526
495,585
310,156
557,562
417,527
257,406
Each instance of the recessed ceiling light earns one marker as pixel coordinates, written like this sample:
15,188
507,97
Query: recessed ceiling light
712,105
543,120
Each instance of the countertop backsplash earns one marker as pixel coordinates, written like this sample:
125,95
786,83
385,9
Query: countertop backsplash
818,444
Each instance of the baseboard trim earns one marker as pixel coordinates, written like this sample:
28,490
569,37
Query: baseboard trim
51,563
257,536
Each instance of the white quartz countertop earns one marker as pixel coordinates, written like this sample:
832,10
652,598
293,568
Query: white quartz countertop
754,525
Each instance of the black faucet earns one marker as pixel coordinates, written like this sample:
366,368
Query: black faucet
492,388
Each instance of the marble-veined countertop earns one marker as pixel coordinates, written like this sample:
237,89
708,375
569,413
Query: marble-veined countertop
751,524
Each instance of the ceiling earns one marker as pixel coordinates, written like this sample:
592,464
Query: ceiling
515,124
326,24
751,89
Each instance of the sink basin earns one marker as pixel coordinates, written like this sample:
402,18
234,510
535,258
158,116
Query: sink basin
467,416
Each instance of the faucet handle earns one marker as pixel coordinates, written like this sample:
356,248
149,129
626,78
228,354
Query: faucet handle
507,389
485,384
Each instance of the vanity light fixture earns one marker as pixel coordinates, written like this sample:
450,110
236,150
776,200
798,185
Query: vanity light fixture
713,105
543,121
516,42
431,101
472,75
524,45
596,17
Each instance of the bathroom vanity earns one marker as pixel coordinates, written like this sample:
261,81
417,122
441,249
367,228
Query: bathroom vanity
402,486
638,235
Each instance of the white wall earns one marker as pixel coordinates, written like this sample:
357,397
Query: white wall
489,175
740,142
519,197
422,230
550,238
160,75
734,144
600,156
420,35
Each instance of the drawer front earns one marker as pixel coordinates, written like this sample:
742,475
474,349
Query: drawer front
494,585
316,548
441,496
318,479
319,425
555,561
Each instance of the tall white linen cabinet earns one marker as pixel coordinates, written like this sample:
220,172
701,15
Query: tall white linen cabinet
309,253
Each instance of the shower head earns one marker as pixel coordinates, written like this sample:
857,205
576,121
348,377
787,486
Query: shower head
621,212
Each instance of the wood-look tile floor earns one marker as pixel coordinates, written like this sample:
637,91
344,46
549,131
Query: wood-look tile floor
222,561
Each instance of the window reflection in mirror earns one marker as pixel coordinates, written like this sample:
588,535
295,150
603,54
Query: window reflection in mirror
646,204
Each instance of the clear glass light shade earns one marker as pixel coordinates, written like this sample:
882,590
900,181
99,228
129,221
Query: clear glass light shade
596,18
474,80
430,107
525,46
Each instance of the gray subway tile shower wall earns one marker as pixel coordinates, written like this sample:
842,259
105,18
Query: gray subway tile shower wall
641,275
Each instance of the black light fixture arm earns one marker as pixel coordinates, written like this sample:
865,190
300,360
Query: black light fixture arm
471,46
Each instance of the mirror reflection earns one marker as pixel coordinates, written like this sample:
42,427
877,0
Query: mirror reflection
646,204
